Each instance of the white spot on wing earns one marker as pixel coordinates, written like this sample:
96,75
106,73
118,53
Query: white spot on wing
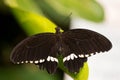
75,56
56,59
36,62
22,61
87,55
31,61
70,57
92,54
50,58
81,56
42,60
26,61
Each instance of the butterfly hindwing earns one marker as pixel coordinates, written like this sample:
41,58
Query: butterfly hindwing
71,59
37,49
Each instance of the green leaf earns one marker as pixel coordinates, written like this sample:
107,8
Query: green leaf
41,7
87,9
25,5
83,74
34,23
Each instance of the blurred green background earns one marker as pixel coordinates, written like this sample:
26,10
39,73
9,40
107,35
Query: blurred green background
22,18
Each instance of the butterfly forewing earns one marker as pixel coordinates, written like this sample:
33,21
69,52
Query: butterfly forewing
87,41
36,49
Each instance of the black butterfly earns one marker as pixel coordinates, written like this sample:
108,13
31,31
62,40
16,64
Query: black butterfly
74,45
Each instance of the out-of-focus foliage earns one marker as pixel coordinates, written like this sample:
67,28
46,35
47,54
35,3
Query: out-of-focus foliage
32,21
33,6
30,72
59,11
38,16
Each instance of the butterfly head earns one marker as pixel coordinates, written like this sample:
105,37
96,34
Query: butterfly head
57,30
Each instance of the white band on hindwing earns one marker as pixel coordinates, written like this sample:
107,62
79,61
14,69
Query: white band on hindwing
73,56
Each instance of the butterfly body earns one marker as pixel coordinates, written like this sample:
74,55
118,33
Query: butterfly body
74,45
